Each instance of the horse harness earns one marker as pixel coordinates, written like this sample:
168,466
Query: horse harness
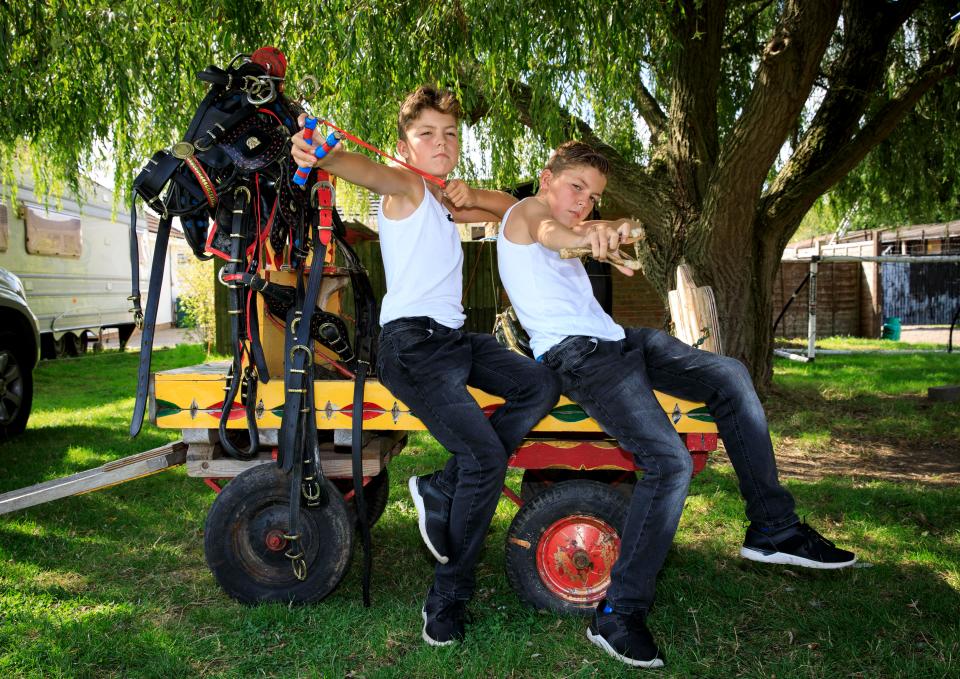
230,182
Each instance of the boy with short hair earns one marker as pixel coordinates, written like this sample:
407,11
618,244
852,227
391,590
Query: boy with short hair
426,360
612,372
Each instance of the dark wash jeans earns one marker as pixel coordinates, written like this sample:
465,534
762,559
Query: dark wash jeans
428,366
613,382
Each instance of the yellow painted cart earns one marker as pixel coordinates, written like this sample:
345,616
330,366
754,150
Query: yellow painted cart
561,544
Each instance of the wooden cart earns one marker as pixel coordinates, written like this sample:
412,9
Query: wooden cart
560,546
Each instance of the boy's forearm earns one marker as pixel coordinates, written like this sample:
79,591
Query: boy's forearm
554,236
591,224
494,202
357,169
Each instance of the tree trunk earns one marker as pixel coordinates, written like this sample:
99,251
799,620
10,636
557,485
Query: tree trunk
742,277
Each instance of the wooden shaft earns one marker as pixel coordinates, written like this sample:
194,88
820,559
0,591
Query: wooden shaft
614,257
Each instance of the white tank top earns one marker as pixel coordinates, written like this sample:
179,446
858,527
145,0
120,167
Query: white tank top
423,262
552,296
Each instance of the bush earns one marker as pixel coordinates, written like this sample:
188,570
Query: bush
196,300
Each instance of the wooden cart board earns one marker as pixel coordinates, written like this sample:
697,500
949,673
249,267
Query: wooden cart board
192,398
694,313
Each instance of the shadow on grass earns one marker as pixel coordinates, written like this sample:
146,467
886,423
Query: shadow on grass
51,452
120,575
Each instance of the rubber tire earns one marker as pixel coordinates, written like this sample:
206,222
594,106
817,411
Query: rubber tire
568,498
376,493
68,346
237,554
18,362
535,481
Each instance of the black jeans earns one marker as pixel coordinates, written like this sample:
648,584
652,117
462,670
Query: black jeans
428,366
614,382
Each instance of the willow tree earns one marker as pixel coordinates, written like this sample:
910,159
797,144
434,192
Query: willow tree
724,120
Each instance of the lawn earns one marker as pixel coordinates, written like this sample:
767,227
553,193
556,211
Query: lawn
114,584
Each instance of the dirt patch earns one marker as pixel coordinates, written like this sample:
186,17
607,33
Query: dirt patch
865,460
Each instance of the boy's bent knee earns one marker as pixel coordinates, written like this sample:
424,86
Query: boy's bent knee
676,465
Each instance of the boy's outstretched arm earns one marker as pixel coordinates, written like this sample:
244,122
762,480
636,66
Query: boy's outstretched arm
358,169
601,236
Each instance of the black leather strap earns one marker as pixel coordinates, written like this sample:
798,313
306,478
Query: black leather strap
149,323
135,266
300,357
358,496
237,307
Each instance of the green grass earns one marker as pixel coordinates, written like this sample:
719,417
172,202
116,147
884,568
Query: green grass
114,584
860,344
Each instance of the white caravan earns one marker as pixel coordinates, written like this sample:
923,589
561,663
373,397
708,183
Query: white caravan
74,260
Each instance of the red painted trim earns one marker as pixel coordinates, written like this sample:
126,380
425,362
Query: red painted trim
513,497
588,455
700,442
214,486
349,494
583,455
699,461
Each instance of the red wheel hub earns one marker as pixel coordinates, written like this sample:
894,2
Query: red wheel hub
275,541
575,555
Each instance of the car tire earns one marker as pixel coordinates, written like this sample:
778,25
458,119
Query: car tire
16,386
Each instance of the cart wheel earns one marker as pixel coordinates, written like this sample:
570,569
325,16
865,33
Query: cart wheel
244,543
563,543
376,493
535,481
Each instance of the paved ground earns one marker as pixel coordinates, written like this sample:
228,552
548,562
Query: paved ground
929,334
164,337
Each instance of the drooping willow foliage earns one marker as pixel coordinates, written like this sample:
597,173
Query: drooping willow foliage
726,120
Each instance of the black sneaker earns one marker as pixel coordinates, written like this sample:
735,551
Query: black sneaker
624,636
442,620
796,545
433,514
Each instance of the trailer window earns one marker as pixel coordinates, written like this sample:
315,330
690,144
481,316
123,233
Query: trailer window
4,228
53,233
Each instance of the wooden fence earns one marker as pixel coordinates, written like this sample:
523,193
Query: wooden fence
482,292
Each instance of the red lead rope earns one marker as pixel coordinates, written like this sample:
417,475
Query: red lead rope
426,175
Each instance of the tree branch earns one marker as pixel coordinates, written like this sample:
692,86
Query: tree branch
649,108
630,189
854,76
783,81
750,17
693,144
800,184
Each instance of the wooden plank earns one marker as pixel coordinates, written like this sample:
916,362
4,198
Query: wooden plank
109,474
376,455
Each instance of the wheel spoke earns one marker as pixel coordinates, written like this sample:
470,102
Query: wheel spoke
11,372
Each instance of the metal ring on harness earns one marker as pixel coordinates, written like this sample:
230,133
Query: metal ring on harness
294,324
255,90
307,85
304,348
136,311
314,201
311,490
220,274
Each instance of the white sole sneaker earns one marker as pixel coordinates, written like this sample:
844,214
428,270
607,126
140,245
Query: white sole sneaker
791,560
426,637
422,519
598,640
